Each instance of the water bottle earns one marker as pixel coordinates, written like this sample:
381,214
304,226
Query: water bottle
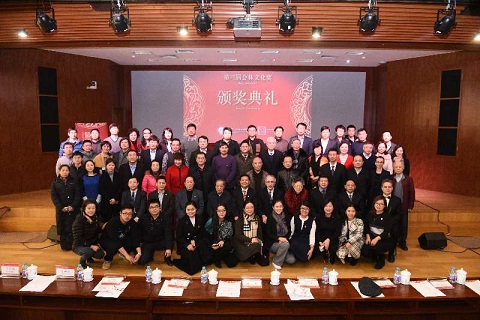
148,274
452,277
24,270
203,275
79,272
397,276
325,279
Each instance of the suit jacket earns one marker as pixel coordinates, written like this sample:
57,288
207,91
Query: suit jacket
193,157
146,160
168,202
126,174
139,203
337,181
214,199
330,144
301,165
204,179
250,173
265,203
238,201
408,200
362,180
181,199
307,145
369,164
358,201
257,145
318,200
272,164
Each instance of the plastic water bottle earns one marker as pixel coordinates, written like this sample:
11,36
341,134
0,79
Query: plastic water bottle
397,276
452,277
203,275
325,279
148,274
24,270
79,272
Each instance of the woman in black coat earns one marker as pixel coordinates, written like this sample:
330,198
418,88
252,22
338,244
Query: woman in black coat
222,236
110,187
66,197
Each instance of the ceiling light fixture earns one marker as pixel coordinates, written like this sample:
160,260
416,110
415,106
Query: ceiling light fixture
369,17
46,23
317,32
119,22
444,25
288,20
202,21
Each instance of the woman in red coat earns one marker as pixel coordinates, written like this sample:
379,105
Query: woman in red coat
176,174
295,195
344,157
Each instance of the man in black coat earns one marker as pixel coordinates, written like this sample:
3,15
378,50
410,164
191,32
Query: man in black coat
166,198
334,171
272,159
351,197
154,152
219,196
135,197
319,196
267,197
394,208
131,169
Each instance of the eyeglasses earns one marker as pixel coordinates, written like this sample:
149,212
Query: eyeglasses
126,214
379,204
305,208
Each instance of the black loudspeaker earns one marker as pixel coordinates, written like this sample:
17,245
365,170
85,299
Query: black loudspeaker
432,240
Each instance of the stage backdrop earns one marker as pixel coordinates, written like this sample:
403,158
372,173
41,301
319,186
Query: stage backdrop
214,99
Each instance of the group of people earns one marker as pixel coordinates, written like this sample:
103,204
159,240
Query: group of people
336,198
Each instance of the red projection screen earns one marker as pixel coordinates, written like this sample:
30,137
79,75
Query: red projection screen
214,99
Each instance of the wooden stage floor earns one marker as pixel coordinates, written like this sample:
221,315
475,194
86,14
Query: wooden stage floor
457,214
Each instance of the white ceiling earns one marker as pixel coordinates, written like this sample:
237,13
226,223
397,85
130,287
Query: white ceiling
250,56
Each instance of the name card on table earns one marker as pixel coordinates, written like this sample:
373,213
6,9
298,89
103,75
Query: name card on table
64,272
10,270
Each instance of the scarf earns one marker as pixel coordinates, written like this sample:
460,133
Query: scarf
250,226
282,228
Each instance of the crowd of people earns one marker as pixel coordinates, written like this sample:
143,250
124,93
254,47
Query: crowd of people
288,200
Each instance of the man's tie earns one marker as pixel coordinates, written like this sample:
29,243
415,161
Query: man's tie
244,195
132,199
350,197
332,170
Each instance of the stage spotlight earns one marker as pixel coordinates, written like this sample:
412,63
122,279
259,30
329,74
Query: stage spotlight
202,21
369,17
46,23
288,21
119,22
317,32
445,24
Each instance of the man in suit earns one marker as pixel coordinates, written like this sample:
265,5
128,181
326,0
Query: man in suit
394,208
256,144
242,194
325,140
299,158
339,135
387,139
306,143
219,196
257,174
189,194
135,197
351,197
272,158
131,169
202,148
203,175
166,198
334,171
357,146
267,197
152,153
319,196
243,159
360,176
368,157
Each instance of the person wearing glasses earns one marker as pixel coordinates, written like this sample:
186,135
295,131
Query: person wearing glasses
121,235
156,233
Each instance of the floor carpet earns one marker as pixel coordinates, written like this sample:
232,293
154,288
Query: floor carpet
466,242
13,237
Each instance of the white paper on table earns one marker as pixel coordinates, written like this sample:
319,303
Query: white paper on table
38,284
474,285
355,285
107,283
170,289
229,289
308,282
251,283
426,289
179,283
441,284
114,291
385,283
297,292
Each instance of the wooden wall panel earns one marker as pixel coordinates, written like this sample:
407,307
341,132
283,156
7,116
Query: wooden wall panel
23,166
412,109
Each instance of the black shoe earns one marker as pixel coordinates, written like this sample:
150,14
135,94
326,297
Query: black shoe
168,261
391,257
332,259
218,263
380,262
403,246
253,259
325,257
353,261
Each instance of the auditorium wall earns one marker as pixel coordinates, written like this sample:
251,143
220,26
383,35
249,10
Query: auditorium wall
24,167
412,114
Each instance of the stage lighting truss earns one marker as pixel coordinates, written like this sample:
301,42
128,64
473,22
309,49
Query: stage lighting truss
201,19
46,23
369,18
444,25
120,17
287,18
